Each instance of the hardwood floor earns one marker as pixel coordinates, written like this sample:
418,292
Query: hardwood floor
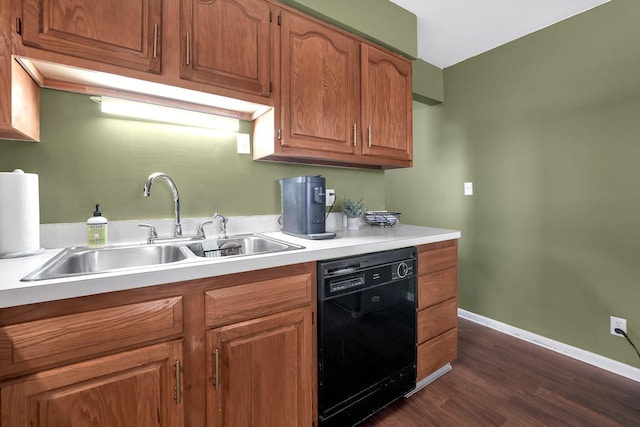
499,380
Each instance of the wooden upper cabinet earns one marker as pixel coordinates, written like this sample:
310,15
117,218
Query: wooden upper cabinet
227,43
342,100
319,88
118,32
386,105
19,93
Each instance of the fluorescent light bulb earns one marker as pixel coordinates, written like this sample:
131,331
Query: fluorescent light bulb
160,113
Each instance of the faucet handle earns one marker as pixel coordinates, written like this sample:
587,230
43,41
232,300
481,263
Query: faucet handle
153,234
223,224
200,232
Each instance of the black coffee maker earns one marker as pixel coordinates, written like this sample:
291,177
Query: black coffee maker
303,207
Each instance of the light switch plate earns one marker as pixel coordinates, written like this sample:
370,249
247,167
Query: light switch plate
468,188
244,143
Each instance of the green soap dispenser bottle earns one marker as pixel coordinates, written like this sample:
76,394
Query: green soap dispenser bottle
97,230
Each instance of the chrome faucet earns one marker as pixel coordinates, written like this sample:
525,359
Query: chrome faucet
177,232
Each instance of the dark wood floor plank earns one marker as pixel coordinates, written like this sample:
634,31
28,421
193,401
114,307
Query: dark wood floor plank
499,380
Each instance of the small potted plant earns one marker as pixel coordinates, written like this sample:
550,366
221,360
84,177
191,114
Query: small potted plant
353,210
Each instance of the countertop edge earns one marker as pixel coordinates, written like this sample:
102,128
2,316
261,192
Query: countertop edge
13,292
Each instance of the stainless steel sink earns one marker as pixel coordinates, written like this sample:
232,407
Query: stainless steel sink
246,244
78,261
83,260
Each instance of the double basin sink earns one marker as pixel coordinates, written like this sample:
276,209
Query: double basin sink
83,260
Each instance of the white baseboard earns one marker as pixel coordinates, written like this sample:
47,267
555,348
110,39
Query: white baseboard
570,351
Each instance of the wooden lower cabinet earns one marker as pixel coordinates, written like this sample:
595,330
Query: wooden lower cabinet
258,372
437,332
147,357
133,388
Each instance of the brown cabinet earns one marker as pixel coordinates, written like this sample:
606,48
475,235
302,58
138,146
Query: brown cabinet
259,355
319,89
119,32
115,365
437,306
133,388
227,43
342,101
259,372
386,106
211,352
19,94
331,98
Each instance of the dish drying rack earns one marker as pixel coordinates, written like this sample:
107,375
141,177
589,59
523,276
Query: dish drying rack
226,249
381,218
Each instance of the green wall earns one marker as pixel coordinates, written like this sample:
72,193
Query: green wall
86,157
548,129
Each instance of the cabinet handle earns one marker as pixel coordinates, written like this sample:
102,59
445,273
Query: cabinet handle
279,134
355,134
155,41
188,48
216,374
369,131
178,388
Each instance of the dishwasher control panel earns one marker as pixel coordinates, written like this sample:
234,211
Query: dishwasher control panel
345,275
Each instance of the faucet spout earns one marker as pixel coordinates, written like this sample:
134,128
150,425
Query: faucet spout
177,232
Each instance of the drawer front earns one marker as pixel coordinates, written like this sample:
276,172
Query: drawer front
438,259
49,341
242,302
437,319
436,353
434,288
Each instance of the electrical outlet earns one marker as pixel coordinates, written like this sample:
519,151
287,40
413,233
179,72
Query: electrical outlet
617,322
331,196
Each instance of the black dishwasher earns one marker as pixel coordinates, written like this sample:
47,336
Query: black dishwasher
366,334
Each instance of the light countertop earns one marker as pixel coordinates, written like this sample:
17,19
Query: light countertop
14,292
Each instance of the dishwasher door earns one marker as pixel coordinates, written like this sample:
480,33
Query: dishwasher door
366,345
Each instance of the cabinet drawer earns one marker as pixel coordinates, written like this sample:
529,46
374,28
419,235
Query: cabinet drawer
445,256
48,341
243,302
436,287
436,353
437,319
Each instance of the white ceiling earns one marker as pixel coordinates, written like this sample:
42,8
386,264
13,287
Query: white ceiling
450,31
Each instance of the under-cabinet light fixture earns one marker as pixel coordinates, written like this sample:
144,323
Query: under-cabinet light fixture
160,113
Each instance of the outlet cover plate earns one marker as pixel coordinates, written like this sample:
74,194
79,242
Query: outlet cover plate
618,322
244,143
468,188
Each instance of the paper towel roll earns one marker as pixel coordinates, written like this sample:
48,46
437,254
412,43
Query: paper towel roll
19,214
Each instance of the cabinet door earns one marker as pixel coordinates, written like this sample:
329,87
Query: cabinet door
319,89
133,388
259,372
19,100
386,105
119,32
227,43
